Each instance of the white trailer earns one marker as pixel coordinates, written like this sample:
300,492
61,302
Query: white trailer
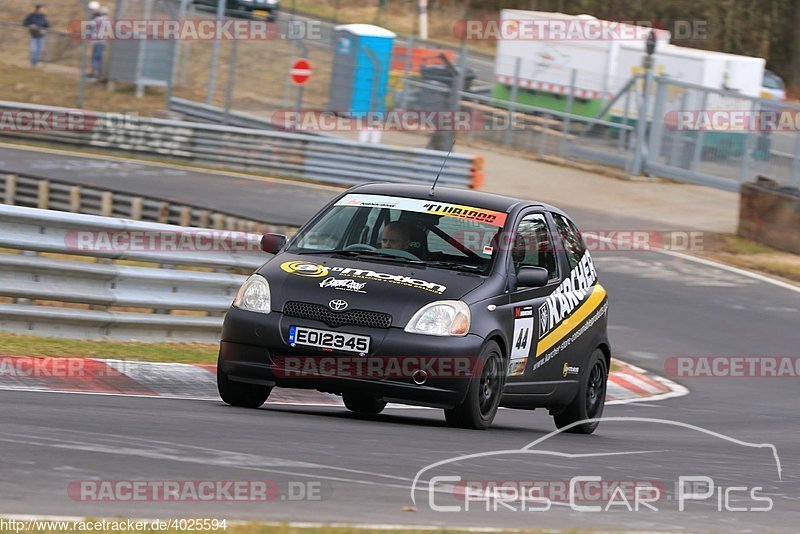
543,67
714,70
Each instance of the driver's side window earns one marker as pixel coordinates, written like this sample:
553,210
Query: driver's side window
327,234
533,245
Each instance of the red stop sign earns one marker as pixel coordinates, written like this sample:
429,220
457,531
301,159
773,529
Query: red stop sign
300,71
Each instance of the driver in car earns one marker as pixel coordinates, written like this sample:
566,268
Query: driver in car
396,236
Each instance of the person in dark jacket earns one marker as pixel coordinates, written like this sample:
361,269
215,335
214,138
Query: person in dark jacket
37,25
99,18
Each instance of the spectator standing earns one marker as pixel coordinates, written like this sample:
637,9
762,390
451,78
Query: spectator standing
98,43
37,25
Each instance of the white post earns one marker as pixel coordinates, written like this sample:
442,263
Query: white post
423,19
212,71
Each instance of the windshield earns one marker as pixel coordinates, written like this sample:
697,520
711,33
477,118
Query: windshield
405,230
772,81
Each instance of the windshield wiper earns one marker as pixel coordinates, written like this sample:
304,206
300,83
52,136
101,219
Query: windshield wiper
379,254
466,267
372,253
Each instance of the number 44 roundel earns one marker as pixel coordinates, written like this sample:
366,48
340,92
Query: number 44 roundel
523,332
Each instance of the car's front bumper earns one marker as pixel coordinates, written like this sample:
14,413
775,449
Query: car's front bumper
254,349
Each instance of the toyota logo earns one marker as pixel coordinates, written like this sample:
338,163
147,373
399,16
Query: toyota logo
338,304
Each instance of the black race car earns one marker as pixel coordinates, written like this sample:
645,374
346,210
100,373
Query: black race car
254,9
450,298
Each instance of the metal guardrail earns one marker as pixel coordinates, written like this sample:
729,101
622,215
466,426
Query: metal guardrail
309,157
175,282
44,193
197,111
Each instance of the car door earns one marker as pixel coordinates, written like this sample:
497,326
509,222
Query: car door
576,311
532,244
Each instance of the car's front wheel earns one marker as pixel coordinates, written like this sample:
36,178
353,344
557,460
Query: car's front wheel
239,393
485,389
590,400
360,403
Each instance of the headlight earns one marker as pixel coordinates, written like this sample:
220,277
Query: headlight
254,295
442,318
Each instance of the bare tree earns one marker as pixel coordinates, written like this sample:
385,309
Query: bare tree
793,70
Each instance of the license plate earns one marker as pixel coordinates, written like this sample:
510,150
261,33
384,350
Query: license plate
260,13
326,339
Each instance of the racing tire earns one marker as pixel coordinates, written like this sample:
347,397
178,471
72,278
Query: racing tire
590,399
366,404
483,395
241,394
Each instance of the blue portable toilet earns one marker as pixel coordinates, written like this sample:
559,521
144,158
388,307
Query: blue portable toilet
361,63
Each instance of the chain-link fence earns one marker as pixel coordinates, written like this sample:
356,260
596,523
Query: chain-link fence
59,47
705,135
691,133
570,113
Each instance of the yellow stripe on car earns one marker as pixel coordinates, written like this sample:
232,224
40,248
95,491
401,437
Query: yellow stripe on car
573,321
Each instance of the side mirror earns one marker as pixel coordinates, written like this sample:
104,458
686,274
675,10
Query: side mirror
532,277
272,243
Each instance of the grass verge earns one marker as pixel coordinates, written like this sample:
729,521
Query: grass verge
27,345
46,87
747,254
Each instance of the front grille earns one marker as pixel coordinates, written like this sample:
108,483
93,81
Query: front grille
318,312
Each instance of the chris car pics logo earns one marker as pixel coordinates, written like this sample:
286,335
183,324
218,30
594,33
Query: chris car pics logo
302,268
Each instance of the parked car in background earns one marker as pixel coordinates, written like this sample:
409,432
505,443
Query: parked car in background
255,9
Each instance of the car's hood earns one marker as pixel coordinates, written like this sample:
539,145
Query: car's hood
397,289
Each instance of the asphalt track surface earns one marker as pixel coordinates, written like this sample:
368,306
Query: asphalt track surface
361,469
273,201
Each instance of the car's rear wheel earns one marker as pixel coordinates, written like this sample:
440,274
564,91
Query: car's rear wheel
360,403
590,400
483,396
239,393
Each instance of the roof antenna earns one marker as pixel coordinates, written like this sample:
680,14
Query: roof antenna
442,167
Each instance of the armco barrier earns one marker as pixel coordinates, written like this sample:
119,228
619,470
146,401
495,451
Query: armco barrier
36,192
172,292
197,111
310,157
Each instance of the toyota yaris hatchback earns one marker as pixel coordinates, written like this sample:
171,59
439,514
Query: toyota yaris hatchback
453,299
